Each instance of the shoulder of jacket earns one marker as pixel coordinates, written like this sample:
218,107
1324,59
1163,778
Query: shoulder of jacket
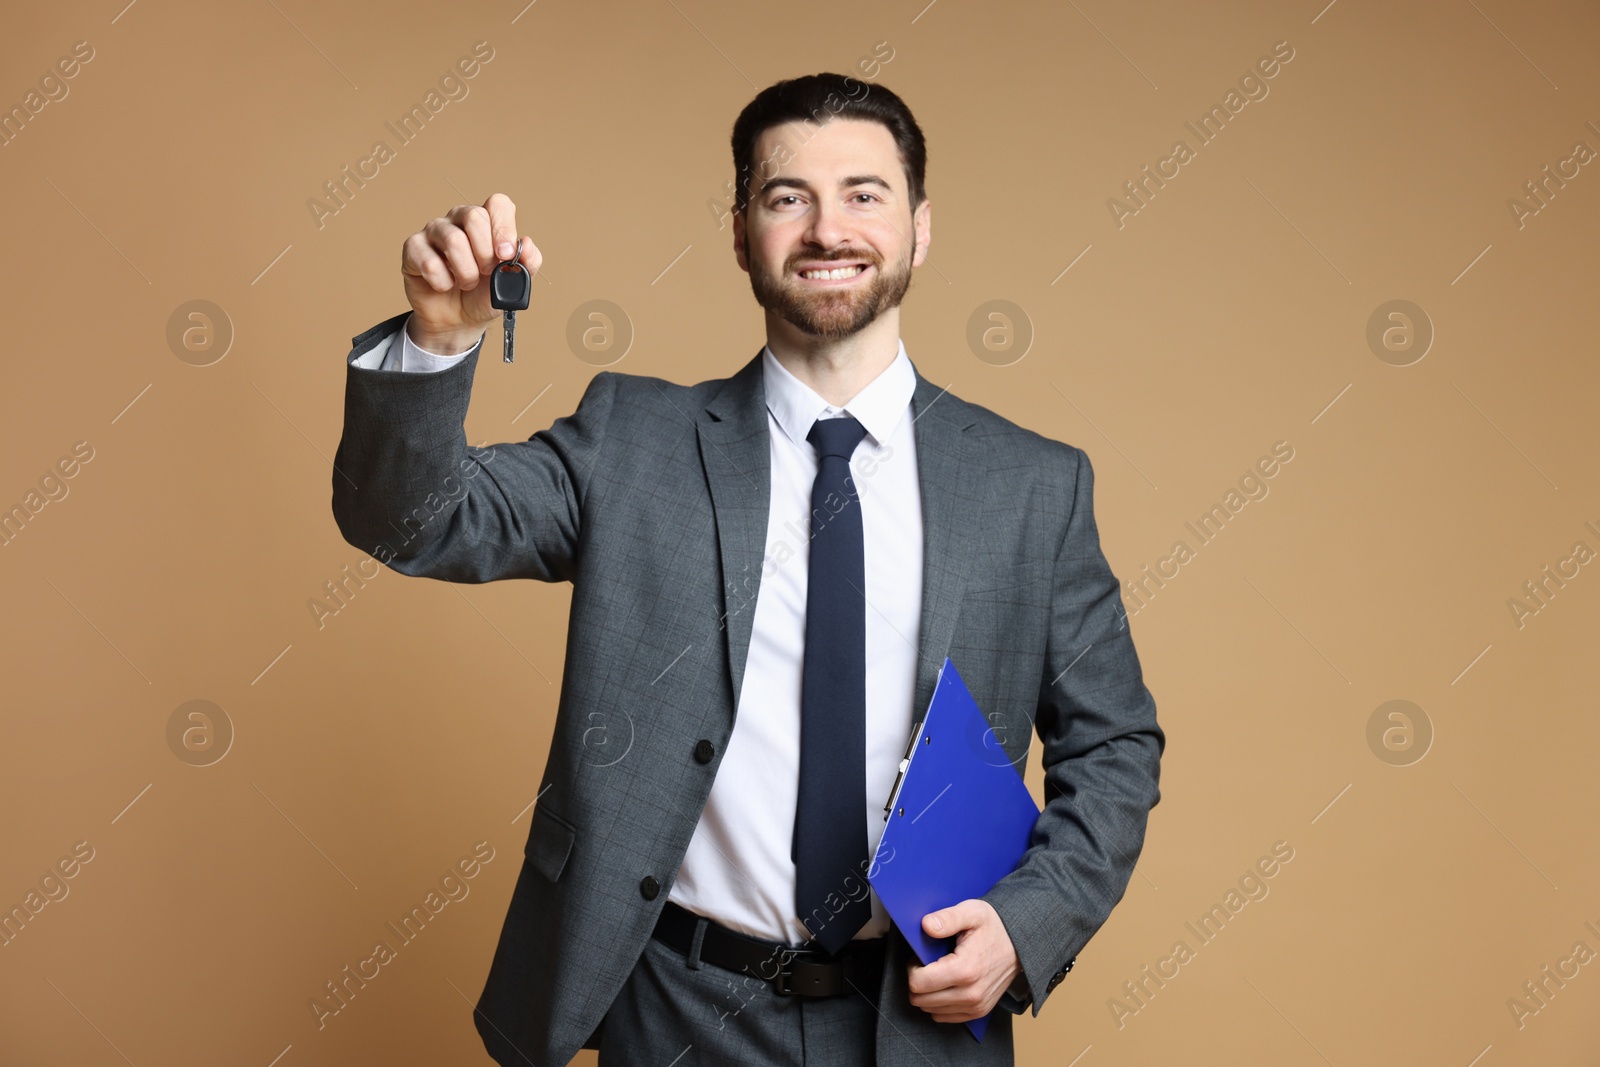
646,386
996,431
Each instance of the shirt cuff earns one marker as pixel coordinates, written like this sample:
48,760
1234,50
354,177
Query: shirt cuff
396,352
1015,999
414,358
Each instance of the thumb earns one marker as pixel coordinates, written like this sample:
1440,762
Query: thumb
949,921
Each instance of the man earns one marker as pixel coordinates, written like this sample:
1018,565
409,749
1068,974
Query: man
768,571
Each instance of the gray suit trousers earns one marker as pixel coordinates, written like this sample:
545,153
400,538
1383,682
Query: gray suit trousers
678,1010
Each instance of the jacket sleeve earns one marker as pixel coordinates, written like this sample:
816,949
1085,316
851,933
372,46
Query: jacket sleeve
1101,752
408,489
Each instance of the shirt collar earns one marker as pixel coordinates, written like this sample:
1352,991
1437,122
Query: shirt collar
879,406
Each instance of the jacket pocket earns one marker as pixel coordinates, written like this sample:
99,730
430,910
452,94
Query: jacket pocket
549,842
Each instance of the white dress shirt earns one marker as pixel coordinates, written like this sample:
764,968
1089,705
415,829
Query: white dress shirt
737,870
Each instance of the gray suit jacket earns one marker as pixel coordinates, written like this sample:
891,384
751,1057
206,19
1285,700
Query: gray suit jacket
652,500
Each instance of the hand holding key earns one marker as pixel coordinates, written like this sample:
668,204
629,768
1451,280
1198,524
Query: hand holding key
444,267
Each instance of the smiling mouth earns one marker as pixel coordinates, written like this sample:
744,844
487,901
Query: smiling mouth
835,274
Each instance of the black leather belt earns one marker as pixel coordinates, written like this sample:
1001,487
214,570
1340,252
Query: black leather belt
791,971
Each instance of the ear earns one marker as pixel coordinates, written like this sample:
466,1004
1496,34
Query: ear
739,243
922,225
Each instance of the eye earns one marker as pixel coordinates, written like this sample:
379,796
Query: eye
781,199
869,196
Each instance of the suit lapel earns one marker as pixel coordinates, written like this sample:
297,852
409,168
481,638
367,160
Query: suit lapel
951,476
735,450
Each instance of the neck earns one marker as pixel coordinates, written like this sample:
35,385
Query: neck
836,369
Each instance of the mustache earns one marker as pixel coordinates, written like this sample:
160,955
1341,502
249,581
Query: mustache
847,257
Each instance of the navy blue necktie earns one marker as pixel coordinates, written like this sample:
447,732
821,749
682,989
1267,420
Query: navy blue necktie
830,829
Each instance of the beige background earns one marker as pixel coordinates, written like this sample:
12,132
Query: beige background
1227,315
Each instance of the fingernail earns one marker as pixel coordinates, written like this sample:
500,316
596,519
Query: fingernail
505,249
938,924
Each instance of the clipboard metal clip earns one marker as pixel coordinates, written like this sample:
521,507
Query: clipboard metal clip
905,763
911,746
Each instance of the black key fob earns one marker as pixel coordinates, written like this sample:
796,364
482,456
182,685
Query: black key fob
510,286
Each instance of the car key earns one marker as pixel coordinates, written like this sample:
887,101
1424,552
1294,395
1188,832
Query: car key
510,286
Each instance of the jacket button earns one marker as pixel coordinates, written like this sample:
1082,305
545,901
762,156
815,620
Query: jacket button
649,887
704,750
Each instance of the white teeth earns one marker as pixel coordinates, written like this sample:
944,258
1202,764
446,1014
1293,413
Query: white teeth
841,272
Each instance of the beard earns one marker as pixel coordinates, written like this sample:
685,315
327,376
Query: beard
830,313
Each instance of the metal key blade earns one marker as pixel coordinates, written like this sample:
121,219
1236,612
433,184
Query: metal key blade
511,329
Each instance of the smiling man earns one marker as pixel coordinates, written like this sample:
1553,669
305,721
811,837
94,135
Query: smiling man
768,570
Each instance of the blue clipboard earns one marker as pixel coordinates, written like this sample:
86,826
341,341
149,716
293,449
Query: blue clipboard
959,820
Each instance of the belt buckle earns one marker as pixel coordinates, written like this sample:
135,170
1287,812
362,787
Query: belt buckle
818,979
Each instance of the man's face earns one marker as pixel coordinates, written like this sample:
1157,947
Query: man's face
833,196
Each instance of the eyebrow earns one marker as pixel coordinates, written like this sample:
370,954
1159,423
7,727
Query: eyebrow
844,183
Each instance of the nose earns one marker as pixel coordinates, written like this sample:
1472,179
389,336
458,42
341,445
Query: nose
828,227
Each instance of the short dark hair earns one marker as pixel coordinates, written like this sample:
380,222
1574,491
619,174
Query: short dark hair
819,98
